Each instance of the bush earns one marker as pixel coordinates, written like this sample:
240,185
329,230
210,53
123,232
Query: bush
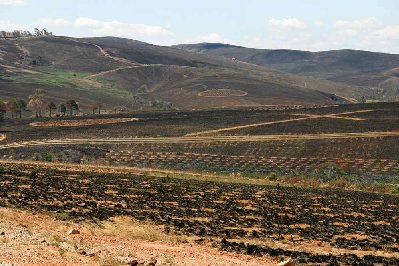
272,176
43,157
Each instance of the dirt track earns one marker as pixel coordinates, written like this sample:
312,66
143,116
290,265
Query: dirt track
129,64
105,53
333,116
203,139
220,93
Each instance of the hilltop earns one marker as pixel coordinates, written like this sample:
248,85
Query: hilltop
134,74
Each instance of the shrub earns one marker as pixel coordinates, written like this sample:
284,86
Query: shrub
272,176
44,157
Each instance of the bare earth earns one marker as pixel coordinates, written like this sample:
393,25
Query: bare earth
33,239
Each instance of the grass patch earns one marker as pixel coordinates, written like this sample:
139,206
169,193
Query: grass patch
72,79
127,228
60,78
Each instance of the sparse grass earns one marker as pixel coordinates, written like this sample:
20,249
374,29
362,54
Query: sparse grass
62,251
56,240
61,216
127,228
110,261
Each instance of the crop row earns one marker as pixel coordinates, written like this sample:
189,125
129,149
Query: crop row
230,163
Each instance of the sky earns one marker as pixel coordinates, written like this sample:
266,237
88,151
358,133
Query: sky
314,25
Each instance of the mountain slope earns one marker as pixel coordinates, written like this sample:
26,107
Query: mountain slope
133,74
359,68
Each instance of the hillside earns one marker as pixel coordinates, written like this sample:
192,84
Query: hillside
133,74
359,68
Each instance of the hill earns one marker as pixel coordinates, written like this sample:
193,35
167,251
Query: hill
359,68
133,74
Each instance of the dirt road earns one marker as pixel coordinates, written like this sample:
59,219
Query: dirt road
200,139
306,117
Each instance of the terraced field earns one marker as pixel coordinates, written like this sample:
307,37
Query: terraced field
310,225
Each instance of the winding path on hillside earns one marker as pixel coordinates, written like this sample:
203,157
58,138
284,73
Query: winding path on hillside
128,63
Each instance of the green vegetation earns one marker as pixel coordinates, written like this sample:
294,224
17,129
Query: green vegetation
59,78
72,79
44,157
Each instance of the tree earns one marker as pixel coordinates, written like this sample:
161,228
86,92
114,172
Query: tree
12,107
16,34
36,101
51,106
363,99
3,110
21,106
38,32
96,105
62,109
72,105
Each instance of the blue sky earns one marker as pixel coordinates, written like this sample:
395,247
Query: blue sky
291,24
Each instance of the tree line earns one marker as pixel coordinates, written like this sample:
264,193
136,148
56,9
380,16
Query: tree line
24,33
38,103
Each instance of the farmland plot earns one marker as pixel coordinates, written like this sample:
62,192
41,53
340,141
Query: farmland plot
311,225
231,163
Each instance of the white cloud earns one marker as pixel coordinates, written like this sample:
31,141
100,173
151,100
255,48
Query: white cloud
212,37
12,2
319,23
388,32
292,23
362,24
109,28
367,33
54,21
87,22
117,28
9,26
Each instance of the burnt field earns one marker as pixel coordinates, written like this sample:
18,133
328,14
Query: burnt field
354,138
367,118
311,225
